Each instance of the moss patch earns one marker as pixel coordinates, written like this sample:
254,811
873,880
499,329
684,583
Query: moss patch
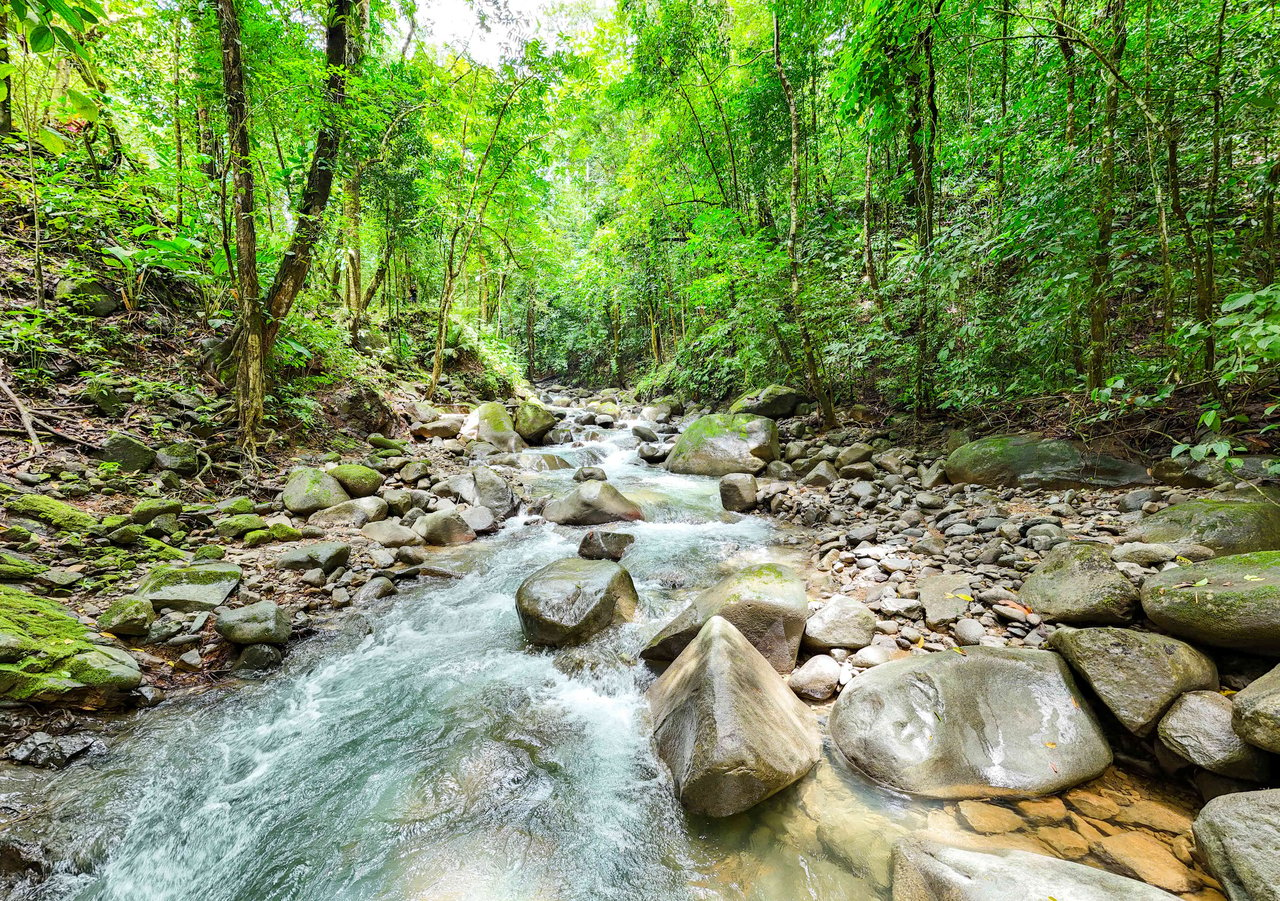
63,517
38,639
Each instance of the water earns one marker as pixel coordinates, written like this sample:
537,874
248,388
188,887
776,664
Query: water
436,757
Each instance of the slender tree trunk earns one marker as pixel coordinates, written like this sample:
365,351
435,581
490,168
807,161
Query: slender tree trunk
868,218
1209,298
6,83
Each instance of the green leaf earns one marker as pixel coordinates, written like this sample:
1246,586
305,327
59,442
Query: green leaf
51,141
41,39
67,13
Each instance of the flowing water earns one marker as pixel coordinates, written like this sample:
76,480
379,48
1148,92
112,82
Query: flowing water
424,752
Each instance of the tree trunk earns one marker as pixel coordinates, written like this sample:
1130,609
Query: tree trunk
6,84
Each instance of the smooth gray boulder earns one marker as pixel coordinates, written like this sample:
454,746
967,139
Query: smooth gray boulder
842,622
774,401
1229,602
481,486
444,528
738,492
929,871
985,723
194,588
945,597
354,513
323,555
601,545
310,490
592,503
261,623
1032,461
1238,834
568,601
766,602
1256,712
817,679
1198,729
1136,674
1078,583
390,534
719,444
491,423
728,729
1226,526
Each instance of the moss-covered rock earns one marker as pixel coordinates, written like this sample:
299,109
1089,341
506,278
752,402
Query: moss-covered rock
284,532
182,457
155,549
719,444
190,588
62,516
534,421
147,510
490,422
310,490
15,568
1230,602
1226,526
774,401
1077,583
128,616
235,526
130,453
210,552
357,480
1031,461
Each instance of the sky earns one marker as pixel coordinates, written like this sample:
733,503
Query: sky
457,23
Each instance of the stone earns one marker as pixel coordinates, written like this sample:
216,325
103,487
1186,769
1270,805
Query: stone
1031,461
60,515
719,444
354,513
592,503
599,545
1198,729
262,623
726,726
765,602
51,752
1238,834
533,422
444,528
774,401
1154,815
182,457
391,534
130,453
308,491
255,657
568,601
323,555
491,423
1092,805
1144,554
1256,712
1042,811
932,725
357,480
128,616
738,492
1077,583
945,598
445,427
969,632
842,622
1225,526
200,586
236,526
481,520
1229,602
1143,857
1138,675
989,819
929,871
95,295
17,568
146,510
823,475
817,679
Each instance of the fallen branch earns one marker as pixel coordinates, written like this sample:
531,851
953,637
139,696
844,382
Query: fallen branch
24,415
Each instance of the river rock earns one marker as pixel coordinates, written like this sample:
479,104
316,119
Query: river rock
933,724
945,598
357,480
448,426
765,602
391,534
817,679
1136,674
1256,712
726,726
261,623
129,616
310,490
323,555
592,503
1031,461
1228,527
444,528
130,453
1238,834
570,600
775,402
842,622
491,423
201,586
929,871
533,421
1230,602
600,545
738,492
1078,583
354,513
719,444
1198,729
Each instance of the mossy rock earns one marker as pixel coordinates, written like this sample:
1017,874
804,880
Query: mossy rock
155,549
1228,602
280,531
14,568
60,515
310,490
235,506
1031,461
491,423
182,457
130,453
190,588
242,524
1077,583
774,401
1228,527
357,480
719,444
128,616
534,421
210,552
147,510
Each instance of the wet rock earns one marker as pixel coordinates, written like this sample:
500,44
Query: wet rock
599,545
765,602
1198,729
1230,602
1256,712
128,616
592,503
200,586
323,555
481,520
931,724
726,726
738,492
375,588
653,453
444,528
590,474
719,444
533,422
570,600
308,491
53,752
491,423
357,480
1030,461
1228,527
353,513
1077,583
817,679
774,401
1238,834
257,657
1145,858
842,622
1136,674
261,623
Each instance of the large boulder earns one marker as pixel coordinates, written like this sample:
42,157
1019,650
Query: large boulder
592,503
1238,834
1230,602
533,421
128,452
726,726
1198,729
765,602
310,490
490,422
1077,583
929,871
444,528
354,513
775,402
988,722
1228,527
1031,461
1136,674
719,444
323,555
1185,472
261,623
843,622
357,480
570,600
1256,713
195,588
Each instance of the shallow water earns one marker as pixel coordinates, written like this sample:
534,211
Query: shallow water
438,758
